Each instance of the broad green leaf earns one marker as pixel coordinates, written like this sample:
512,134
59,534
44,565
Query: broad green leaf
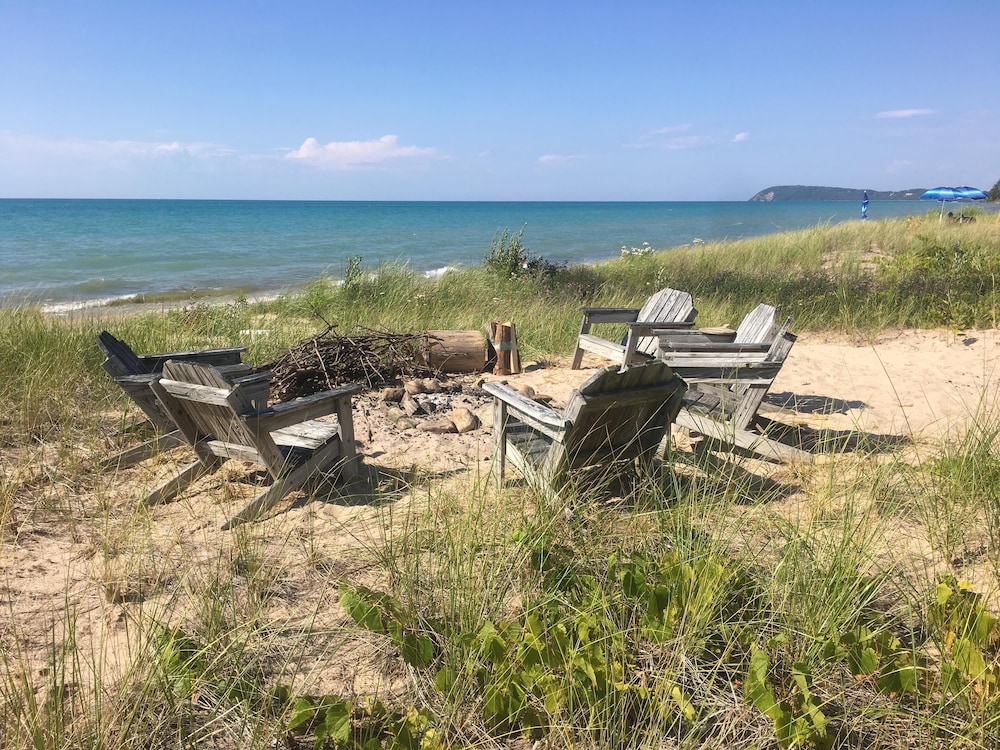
302,712
755,688
337,724
943,593
683,703
968,658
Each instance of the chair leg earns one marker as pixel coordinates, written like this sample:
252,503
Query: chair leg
268,498
182,480
139,453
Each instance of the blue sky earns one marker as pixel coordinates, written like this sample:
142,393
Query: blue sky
535,100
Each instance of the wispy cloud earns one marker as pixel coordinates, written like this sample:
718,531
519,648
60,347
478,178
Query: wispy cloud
554,160
674,138
105,150
741,137
347,154
901,114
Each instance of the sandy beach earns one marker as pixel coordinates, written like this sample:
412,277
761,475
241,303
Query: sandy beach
926,386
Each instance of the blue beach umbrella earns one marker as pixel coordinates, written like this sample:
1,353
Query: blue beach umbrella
966,193
969,194
864,205
941,194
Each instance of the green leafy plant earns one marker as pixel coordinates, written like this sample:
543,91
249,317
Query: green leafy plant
969,637
796,711
507,257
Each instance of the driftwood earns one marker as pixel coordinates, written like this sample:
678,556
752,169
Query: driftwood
328,360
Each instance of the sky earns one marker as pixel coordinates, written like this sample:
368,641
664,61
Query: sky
512,100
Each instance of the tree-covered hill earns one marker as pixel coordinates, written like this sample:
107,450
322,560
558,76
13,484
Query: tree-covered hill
819,193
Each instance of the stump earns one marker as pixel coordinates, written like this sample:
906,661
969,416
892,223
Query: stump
503,337
453,351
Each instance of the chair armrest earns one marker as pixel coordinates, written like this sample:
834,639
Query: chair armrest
610,314
718,347
145,379
301,409
226,356
654,328
530,408
251,380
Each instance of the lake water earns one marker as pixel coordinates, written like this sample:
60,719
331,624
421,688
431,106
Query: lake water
65,253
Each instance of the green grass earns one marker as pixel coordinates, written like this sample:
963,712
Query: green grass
704,610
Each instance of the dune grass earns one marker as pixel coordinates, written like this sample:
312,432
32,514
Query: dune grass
705,609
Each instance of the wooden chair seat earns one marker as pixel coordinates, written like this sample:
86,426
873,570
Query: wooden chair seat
668,308
615,420
726,388
219,421
134,373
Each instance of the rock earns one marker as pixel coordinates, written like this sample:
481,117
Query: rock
414,386
524,389
394,414
393,394
464,420
411,406
485,415
431,385
405,423
437,426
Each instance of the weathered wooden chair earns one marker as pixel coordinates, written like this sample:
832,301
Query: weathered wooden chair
613,420
219,421
751,340
134,373
667,308
726,385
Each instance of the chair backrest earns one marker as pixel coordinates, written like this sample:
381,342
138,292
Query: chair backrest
207,408
782,344
621,415
121,359
758,327
666,306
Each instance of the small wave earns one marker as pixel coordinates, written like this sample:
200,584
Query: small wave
438,272
65,307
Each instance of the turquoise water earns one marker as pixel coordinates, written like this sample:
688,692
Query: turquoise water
72,252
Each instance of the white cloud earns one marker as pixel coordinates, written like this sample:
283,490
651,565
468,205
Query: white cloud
673,138
898,114
551,160
100,150
345,154
741,137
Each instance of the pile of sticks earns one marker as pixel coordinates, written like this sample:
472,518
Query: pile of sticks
327,360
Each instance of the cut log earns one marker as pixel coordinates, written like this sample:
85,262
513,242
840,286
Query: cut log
503,337
453,351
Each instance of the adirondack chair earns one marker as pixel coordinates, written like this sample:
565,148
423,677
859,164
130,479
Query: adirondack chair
134,373
752,339
612,420
219,421
726,385
668,308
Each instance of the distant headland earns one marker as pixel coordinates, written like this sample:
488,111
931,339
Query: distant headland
819,193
